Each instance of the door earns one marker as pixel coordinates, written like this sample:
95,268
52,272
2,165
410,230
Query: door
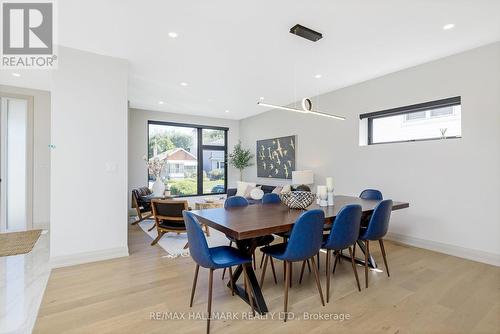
15,163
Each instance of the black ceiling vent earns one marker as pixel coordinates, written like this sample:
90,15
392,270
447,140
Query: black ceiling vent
306,33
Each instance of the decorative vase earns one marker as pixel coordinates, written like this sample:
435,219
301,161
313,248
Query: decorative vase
158,188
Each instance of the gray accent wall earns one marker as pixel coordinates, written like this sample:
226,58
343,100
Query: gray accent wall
453,186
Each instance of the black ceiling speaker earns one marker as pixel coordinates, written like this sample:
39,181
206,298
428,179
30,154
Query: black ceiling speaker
306,33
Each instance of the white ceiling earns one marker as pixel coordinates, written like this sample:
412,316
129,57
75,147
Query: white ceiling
233,52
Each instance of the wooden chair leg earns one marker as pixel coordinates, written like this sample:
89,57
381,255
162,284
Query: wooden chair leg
367,255
274,271
261,261
152,228
155,241
335,261
328,273
250,294
287,278
207,231
195,279
308,266
318,283
210,286
351,253
231,282
264,271
302,271
317,256
382,248
284,271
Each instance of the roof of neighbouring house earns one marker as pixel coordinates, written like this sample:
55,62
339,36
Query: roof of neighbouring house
176,154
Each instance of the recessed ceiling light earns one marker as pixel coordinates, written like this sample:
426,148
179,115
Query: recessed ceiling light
172,34
261,98
161,102
227,110
318,76
448,26
184,84
16,74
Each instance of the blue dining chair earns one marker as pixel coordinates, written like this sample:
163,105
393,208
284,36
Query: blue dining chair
376,230
212,259
343,234
372,194
235,201
304,243
271,198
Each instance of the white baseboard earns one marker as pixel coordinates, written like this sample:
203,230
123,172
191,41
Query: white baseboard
80,258
466,253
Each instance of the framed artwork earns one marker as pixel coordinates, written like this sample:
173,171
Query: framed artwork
276,157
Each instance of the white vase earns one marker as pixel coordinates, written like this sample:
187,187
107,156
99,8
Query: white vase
158,188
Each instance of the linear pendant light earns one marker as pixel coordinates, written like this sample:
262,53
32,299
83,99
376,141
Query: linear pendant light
306,109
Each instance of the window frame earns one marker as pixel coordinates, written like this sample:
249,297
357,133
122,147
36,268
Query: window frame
200,149
448,102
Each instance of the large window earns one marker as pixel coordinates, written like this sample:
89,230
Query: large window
194,156
431,120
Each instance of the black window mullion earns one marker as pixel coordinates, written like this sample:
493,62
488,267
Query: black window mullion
199,176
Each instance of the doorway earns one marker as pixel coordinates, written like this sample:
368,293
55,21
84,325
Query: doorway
16,161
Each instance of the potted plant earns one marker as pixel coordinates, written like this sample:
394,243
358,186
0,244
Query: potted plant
155,167
240,158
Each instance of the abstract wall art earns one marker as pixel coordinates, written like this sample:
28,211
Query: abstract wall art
276,157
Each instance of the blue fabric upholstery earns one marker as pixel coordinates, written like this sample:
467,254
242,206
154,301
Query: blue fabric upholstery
305,239
372,194
235,201
212,258
345,229
271,198
379,222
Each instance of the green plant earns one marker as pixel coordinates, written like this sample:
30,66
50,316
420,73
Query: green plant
240,158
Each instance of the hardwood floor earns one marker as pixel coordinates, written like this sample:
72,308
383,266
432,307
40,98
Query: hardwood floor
427,292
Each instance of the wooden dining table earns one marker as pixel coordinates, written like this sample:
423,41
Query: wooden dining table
247,224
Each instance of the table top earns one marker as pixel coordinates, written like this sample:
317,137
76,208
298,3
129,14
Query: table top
262,219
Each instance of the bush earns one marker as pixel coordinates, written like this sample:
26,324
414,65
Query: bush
216,174
183,187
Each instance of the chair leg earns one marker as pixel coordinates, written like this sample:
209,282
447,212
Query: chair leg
354,268
367,255
160,234
287,278
274,271
382,248
207,231
210,286
186,246
318,283
264,271
328,273
195,279
231,282
250,294
152,227
335,261
302,271
317,256
261,261
308,266
253,261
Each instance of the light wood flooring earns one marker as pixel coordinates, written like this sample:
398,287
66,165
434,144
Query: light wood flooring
427,292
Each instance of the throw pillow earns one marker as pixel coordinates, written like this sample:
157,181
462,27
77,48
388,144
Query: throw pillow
241,187
249,190
256,193
277,190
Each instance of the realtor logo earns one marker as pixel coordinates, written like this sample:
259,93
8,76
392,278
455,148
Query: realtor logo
28,35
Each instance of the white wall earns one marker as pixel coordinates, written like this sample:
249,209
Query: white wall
89,163
41,152
138,140
453,186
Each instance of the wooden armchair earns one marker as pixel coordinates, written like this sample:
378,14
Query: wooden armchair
168,217
142,208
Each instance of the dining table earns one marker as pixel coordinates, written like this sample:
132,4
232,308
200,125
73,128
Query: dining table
247,224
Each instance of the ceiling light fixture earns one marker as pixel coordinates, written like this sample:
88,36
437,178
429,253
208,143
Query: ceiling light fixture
17,75
183,84
448,26
172,34
227,110
306,109
161,102
318,76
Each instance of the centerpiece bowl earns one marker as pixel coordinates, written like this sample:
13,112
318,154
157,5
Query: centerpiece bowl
297,199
